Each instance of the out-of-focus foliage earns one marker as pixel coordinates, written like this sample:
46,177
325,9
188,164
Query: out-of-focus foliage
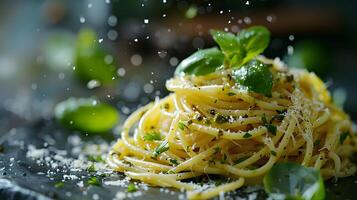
91,62
310,55
58,50
87,115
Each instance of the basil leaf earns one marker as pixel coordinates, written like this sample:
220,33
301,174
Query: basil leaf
294,181
230,46
254,40
256,76
90,59
88,115
201,62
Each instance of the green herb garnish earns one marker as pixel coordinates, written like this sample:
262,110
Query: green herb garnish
294,181
131,188
152,135
231,47
173,161
235,50
271,128
161,148
59,184
220,119
200,63
343,136
181,125
247,135
239,160
94,181
243,47
91,168
254,41
94,158
273,153
255,76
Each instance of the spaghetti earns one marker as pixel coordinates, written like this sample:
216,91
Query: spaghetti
208,125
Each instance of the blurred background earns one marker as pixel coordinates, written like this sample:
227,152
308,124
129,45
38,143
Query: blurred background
122,51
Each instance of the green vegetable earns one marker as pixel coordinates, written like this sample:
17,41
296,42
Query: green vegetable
230,46
221,119
90,61
343,136
88,115
273,153
254,40
91,168
243,47
271,128
247,135
181,125
239,160
255,76
295,182
201,63
311,55
94,181
131,188
173,161
152,135
59,184
161,148
191,12
96,158
235,51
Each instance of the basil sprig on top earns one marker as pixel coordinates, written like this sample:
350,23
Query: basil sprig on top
236,52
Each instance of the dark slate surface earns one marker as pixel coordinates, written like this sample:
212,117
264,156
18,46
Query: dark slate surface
20,179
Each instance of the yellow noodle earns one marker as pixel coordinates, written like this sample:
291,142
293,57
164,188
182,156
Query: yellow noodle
207,125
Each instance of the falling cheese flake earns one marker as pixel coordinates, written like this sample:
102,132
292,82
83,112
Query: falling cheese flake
82,19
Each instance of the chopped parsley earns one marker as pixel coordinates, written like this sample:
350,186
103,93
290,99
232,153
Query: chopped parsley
97,158
91,168
161,148
343,136
182,125
152,135
220,119
239,160
94,181
216,150
131,188
247,135
173,161
273,153
278,117
271,128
